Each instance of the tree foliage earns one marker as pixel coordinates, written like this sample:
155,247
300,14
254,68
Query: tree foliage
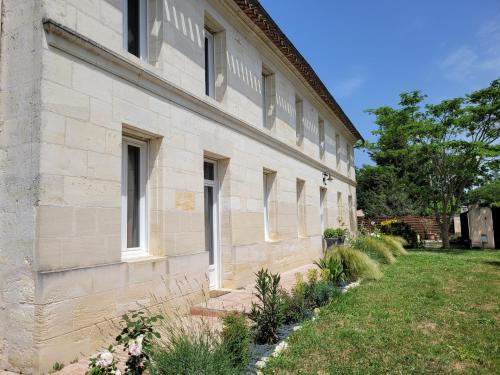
439,151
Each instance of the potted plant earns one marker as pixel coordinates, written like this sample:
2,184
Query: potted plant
334,236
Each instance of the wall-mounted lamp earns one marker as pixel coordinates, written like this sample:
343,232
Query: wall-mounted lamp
327,177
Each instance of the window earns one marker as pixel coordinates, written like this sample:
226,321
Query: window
134,202
323,209
267,98
135,27
349,158
340,208
209,64
337,149
321,134
351,208
299,121
264,99
269,202
301,208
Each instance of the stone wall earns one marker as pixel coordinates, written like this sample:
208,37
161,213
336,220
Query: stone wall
65,278
20,74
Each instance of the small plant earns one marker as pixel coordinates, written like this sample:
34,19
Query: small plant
322,293
356,264
312,276
198,353
332,269
335,232
236,339
374,248
137,338
267,313
57,367
103,364
294,306
394,245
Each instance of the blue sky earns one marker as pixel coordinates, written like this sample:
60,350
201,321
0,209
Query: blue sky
367,52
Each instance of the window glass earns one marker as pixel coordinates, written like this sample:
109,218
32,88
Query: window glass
133,196
209,64
133,40
208,171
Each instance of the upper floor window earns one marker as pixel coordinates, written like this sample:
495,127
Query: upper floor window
337,150
209,64
349,158
299,121
134,201
321,135
267,98
135,27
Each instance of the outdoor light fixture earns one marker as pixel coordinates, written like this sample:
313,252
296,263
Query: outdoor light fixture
327,177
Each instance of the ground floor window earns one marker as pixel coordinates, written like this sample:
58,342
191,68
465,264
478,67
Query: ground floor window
134,197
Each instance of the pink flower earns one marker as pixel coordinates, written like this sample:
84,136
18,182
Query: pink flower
134,349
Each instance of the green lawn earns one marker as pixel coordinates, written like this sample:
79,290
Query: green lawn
432,313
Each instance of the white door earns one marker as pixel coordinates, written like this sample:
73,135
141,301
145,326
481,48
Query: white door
211,192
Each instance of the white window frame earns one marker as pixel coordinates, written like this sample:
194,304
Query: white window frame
215,218
143,29
211,64
267,195
142,249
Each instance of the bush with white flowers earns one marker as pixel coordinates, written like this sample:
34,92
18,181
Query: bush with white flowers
104,364
137,338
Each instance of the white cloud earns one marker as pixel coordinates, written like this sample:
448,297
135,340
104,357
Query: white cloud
466,63
348,86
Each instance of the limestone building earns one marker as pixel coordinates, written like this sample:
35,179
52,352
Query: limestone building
143,142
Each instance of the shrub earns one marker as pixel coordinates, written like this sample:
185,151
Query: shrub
375,248
337,232
401,229
267,313
331,269
394,245
137,338
236,337
312,276
322,292
356,264
294,307
187,355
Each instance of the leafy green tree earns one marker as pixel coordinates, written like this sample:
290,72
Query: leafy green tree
488,194
440,151
380,192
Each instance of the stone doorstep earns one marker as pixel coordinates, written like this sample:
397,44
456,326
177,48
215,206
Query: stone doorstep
240,300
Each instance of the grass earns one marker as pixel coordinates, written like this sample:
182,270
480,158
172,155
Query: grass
432,313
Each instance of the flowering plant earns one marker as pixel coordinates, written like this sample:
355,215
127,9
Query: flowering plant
103,364
137,338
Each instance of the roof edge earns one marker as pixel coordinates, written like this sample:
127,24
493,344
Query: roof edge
259,16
